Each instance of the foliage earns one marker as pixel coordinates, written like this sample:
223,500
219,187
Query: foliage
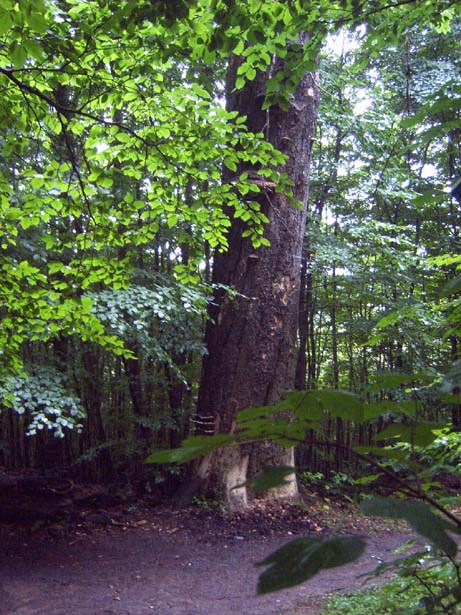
92,173
405,595
43,395
444,453
158,319
419,516
287,422
271,477
303,558
209,505
118,157
431,578
337,484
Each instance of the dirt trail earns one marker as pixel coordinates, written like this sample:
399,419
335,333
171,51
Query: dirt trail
161,568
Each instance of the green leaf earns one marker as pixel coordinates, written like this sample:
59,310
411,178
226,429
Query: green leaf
230,164
37,22
18,56
365,480
311,404
419,516
394,380
375,451
250,73
303,405
239,47
270,478
176,455
303,558
209,442
409,408
418,435
254,413
5,21
192,448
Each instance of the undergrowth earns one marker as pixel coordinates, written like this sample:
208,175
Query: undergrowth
416,594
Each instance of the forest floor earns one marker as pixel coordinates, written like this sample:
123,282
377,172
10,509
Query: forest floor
140,559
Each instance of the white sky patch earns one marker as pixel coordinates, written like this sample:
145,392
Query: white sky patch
344,41
362,106
429,170
328,216
101,147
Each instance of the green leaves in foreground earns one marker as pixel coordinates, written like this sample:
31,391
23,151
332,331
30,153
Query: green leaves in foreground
286,424
271,478
313,404
419,516
191,448
303,558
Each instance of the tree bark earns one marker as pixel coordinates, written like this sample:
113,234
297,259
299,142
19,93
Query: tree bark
251,339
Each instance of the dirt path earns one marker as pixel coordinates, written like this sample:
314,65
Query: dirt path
160,566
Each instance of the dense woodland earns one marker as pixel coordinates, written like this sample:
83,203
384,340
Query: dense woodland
230,237
207,204
118,159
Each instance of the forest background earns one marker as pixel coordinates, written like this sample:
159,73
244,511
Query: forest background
121,173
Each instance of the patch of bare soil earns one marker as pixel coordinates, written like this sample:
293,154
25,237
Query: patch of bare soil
136,559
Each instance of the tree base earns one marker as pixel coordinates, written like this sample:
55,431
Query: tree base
221,476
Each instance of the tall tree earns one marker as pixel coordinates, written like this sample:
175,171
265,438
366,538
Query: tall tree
251,337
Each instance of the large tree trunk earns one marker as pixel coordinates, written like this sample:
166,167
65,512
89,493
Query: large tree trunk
251,339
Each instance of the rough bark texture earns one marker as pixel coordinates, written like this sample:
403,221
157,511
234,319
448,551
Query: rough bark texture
251,339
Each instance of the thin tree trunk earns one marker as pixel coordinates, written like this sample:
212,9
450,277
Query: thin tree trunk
303,315
335,363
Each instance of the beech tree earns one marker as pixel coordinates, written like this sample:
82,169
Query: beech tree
250,337
121,171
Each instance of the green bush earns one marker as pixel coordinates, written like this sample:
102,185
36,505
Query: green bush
425,590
